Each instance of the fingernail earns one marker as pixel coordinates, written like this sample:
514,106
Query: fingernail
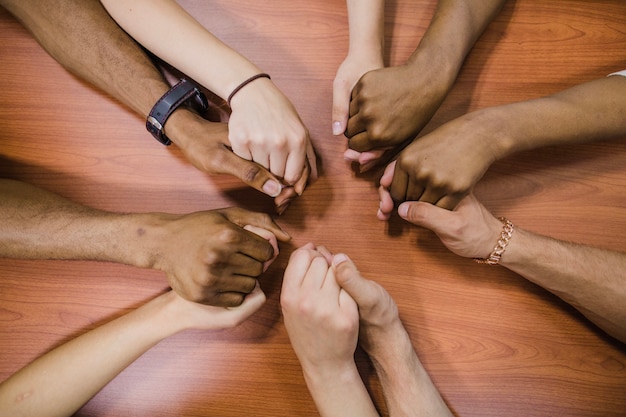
339,259
281,209
403,210
337,128
272,188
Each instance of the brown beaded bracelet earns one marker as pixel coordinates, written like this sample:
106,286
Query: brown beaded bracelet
505,236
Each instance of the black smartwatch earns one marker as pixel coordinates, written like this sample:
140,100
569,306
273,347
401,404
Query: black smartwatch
165,106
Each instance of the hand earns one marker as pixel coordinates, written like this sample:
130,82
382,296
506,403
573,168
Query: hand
264,127
470,230
190,315
442,167
349,72
379,317
206,146
210,257
321,319
392,105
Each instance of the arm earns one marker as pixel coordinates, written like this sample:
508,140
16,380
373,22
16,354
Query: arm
413,92
322,323
264,124
406,385
366,25
83,38
208,256
424,171
592,280
58,383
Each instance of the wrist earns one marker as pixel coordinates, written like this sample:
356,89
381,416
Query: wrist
162,311
435,63
336,374
387,344
179,124
141,239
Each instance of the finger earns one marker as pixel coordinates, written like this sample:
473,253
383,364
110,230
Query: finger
399,185
414,190
349,278
294,166
367,158
243,218
256,248
351,155
311,157
360,142
430,195
252,302
341,106
266,234
356,124
238,264
386,204
241,284
276,163
284,199
304,179
388,174
251,173
315,275
297,267
449,201
325,253
425,215
249,304
261,156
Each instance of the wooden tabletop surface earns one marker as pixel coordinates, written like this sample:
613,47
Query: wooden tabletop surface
494,344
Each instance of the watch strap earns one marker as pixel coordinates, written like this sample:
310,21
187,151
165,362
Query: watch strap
170,101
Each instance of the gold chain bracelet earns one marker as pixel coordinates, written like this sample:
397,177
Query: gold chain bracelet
505,236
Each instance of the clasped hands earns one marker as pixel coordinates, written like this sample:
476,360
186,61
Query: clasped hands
264,143
382,110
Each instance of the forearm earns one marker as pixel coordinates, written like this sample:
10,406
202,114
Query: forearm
407,387
366,23
592,280
339,392
82,37
588,112
453,31
187,45
60,382
37,224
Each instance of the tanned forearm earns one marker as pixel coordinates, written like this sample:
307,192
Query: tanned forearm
592,280
82,37
588,112
37,224
453,31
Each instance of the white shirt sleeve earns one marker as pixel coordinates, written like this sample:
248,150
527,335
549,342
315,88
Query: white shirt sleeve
622,73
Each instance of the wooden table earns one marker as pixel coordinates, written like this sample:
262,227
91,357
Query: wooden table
495,344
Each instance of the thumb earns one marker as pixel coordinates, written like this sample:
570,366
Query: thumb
341,106
251,173
350,279
250,305
425,214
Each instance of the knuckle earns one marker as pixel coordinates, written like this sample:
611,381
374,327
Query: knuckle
229,236
250,173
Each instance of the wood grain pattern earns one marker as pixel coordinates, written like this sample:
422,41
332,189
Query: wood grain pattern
494,343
